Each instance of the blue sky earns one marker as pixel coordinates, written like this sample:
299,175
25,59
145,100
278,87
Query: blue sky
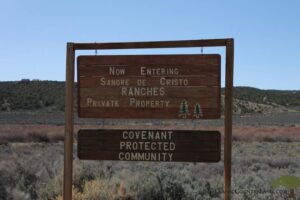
33,34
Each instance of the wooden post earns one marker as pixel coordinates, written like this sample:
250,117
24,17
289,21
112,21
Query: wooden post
228,117
69,121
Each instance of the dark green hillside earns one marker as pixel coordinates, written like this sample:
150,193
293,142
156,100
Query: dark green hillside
32,95
287,98
49,95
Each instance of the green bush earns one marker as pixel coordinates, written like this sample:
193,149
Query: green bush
3,193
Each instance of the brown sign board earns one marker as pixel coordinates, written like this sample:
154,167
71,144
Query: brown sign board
149,86
150,145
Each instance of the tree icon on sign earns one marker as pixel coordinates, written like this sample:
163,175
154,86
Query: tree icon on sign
183,109
197,111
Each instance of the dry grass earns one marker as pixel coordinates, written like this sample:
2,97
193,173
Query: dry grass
36,169
55,133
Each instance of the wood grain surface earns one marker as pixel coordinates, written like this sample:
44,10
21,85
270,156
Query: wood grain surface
149,86
150,145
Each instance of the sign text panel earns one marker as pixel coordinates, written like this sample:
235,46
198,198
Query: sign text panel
149,86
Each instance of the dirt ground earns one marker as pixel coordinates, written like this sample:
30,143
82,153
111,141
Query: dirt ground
54,133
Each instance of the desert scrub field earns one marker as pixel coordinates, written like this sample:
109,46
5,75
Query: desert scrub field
34,171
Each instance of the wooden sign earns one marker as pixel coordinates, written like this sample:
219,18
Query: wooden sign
150,145
149,86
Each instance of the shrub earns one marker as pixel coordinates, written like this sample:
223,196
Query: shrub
101,189
38,137
84,175
51,190
27,183
147,187
3,193
174,191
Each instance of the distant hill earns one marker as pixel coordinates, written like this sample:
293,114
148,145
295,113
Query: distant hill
49,95
253,100
32,95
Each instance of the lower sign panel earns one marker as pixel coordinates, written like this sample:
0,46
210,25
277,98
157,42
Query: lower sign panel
150,145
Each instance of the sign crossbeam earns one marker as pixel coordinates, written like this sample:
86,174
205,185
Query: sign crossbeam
69,112
155,44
